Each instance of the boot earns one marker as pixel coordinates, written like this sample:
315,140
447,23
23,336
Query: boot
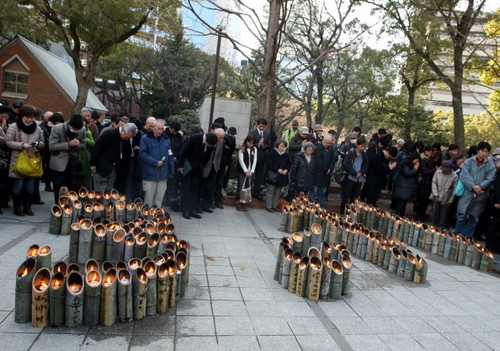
18,210
241,207
27,205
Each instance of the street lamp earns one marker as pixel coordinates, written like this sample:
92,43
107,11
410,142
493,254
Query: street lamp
220,28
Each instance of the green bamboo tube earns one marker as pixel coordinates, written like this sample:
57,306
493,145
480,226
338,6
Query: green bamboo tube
111,228
72,267
66,219
98,197
73,316
140,248
325,279
469,253
390,227
91,265
125,313
313,252
381,254
411,232
302,277
476,257
130,211
394,261
182,263
308,217
294,271
284,244
297,242
316,231
73,196
350,240
139,293
173,270
334,231
287,261
82,195
410,267
91,196
85,241
387,258
327,230
462,248
162,288
40,298
76,211
121,265
416,234
447,246
365,239
486,260
359,246
92,298
88,210
402,263
98,246
129,244
306,242
120,211
435,243
59,267
326,250
24,278
441,243
57,296
161,228
108,298
55,220
162,244
375,249
314,278
32,251
97,210
184,245
73,242
152,297
369,247
109,211
63,200
152,245
454,247
115,196
346,266
117,246
44,259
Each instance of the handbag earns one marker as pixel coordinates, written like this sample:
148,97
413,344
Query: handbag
246,192
4,159
29,166
459,189
340,176
272,177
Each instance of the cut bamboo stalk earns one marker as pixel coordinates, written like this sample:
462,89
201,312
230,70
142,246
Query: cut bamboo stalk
172,280
447,246
108,298
57,297
90,196
469,253
279,259
111,228
402,264
410,267
121,265
92,298
55,220
109,210
97,211
346,266
128,252
67,211
99,243
486,260
72,267
77,210
88,211
117,246
316,231
287,262
294,271
59,267
313,252
40,298
85,241
73,242
454,247
106,266
82,195
462,248
314,278
306,242
476,257
139,293
302,277
184,245
162,303
152,296
326,250
24,278
32,251
130,211
394,260
387,258
141,245
298,242
91,265
152,244
441,243
420,273
125,311
74,300
44,259
325,279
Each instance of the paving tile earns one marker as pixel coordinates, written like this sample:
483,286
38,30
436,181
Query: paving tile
251,282
147,343
55,342
351,325
194,308
491,339
196,292
466,341
199,326
118,328
106,342
155,325
229,308
296,309
222,281
234,326
8,325
226,294
413,324
317,343
17,341
256,294
197,280
397,342
271,326
368,342
190,343
339,308
220,270
434,342
443,324
263,308
238,343
383,325
473,324
306,326
279,342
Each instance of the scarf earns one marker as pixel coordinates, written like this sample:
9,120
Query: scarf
26,129
280,153
308,158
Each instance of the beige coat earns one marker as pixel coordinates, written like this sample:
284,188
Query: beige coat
15,144
443,186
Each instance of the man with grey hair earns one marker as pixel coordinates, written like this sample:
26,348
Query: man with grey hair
148,125
107,154
86,113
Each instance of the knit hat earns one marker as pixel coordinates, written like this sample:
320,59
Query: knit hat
304,130
496,152
447,166
76,121
232,131
318,127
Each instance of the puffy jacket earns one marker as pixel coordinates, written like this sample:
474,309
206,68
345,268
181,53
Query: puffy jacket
302,173
406,186
152,149
276,161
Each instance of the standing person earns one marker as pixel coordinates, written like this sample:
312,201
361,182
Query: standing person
5,182
317,134
325,158
23,136
457,161
290,133
443,185
478,172
356,166
453,150
174,181
493,231
157,164
209,172
90,124
302,172
297,141
247,163
427,169
263,144
227,158
65,143
107,153
194,155
406,186
278,164
379,167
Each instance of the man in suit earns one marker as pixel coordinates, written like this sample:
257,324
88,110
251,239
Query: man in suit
192,159
65,142
263,143
107,153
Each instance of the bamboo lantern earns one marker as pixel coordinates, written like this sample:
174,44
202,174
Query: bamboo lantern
284,244
381,254
57,297
447,245
420,272
55,220
161,228
59,267
170,229
162,302
85,241
152,245
337,273
486,260
88,211
369,247
91,196
128,252
67,211
121,265
162,244
108,298
32,251
302,277
469,253
99,243
125,311
82,195
111,228
435,243
92,298
24,279
130,211
149,227
74,300
316,231
476,256
120,210
40,298
63,201
346,266
462,248
314,278
402,263
410,267
326,250
394,260
172,280
115,195
388,255
313,252
106,198
98,197
134,264
91,265
306,241
117,246
77,209
110,211
106,266
152,292
325,279
284,221
72,267
294,271
297,242
352,236
287,262
44,258
140,248
73,242
455,244
441,243
97,210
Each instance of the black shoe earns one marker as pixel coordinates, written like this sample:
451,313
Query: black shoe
195,215
186,216
219,206
38,202
207,210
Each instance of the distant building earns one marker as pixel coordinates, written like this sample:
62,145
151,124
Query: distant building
29,72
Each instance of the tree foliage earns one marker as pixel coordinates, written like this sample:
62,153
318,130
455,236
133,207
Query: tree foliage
491,74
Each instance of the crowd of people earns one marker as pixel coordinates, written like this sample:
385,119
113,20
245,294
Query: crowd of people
164,166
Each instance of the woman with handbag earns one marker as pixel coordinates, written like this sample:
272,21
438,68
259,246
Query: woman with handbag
25,139
278,165
247,161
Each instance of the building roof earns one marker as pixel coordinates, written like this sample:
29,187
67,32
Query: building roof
61,72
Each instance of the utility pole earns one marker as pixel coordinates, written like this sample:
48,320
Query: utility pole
220,28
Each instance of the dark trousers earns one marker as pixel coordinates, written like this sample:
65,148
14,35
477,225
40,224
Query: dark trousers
207,190
173,188
258,178
421,206
493,232
349,192
60,179
219,184
399,206
190,191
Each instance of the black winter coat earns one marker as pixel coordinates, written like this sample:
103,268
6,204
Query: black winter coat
276,161
407,184
376,176
302,173
324,161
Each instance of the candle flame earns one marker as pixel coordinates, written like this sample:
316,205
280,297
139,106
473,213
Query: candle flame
25,272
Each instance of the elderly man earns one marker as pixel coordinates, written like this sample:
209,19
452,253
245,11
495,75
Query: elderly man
148,125
297,141
89,122
107,153
263,143
157,164
325,157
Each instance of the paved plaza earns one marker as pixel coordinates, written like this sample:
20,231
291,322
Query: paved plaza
233,303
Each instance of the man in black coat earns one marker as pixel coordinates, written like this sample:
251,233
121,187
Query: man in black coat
194,155
263,143
379,167
493,232
107,153
325,158
174,182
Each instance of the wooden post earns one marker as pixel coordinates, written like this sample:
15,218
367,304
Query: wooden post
85,241
24,279
108,298
92,300
44,259
74,300
40,298
57,297
55,220
139,293
125,313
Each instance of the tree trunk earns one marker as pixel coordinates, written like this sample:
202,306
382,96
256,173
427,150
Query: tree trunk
410,115
458,116
320,84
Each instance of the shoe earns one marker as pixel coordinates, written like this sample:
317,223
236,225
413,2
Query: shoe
186,216
219,206
38,202
18,209
27,206
269,210
195,215
207,210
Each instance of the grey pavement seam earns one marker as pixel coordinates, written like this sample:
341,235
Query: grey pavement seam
9,245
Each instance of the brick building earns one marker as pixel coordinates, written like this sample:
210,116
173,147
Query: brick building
32,74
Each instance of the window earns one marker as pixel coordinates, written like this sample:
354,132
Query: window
15,83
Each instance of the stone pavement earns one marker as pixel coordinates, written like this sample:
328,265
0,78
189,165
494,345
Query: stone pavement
233,303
